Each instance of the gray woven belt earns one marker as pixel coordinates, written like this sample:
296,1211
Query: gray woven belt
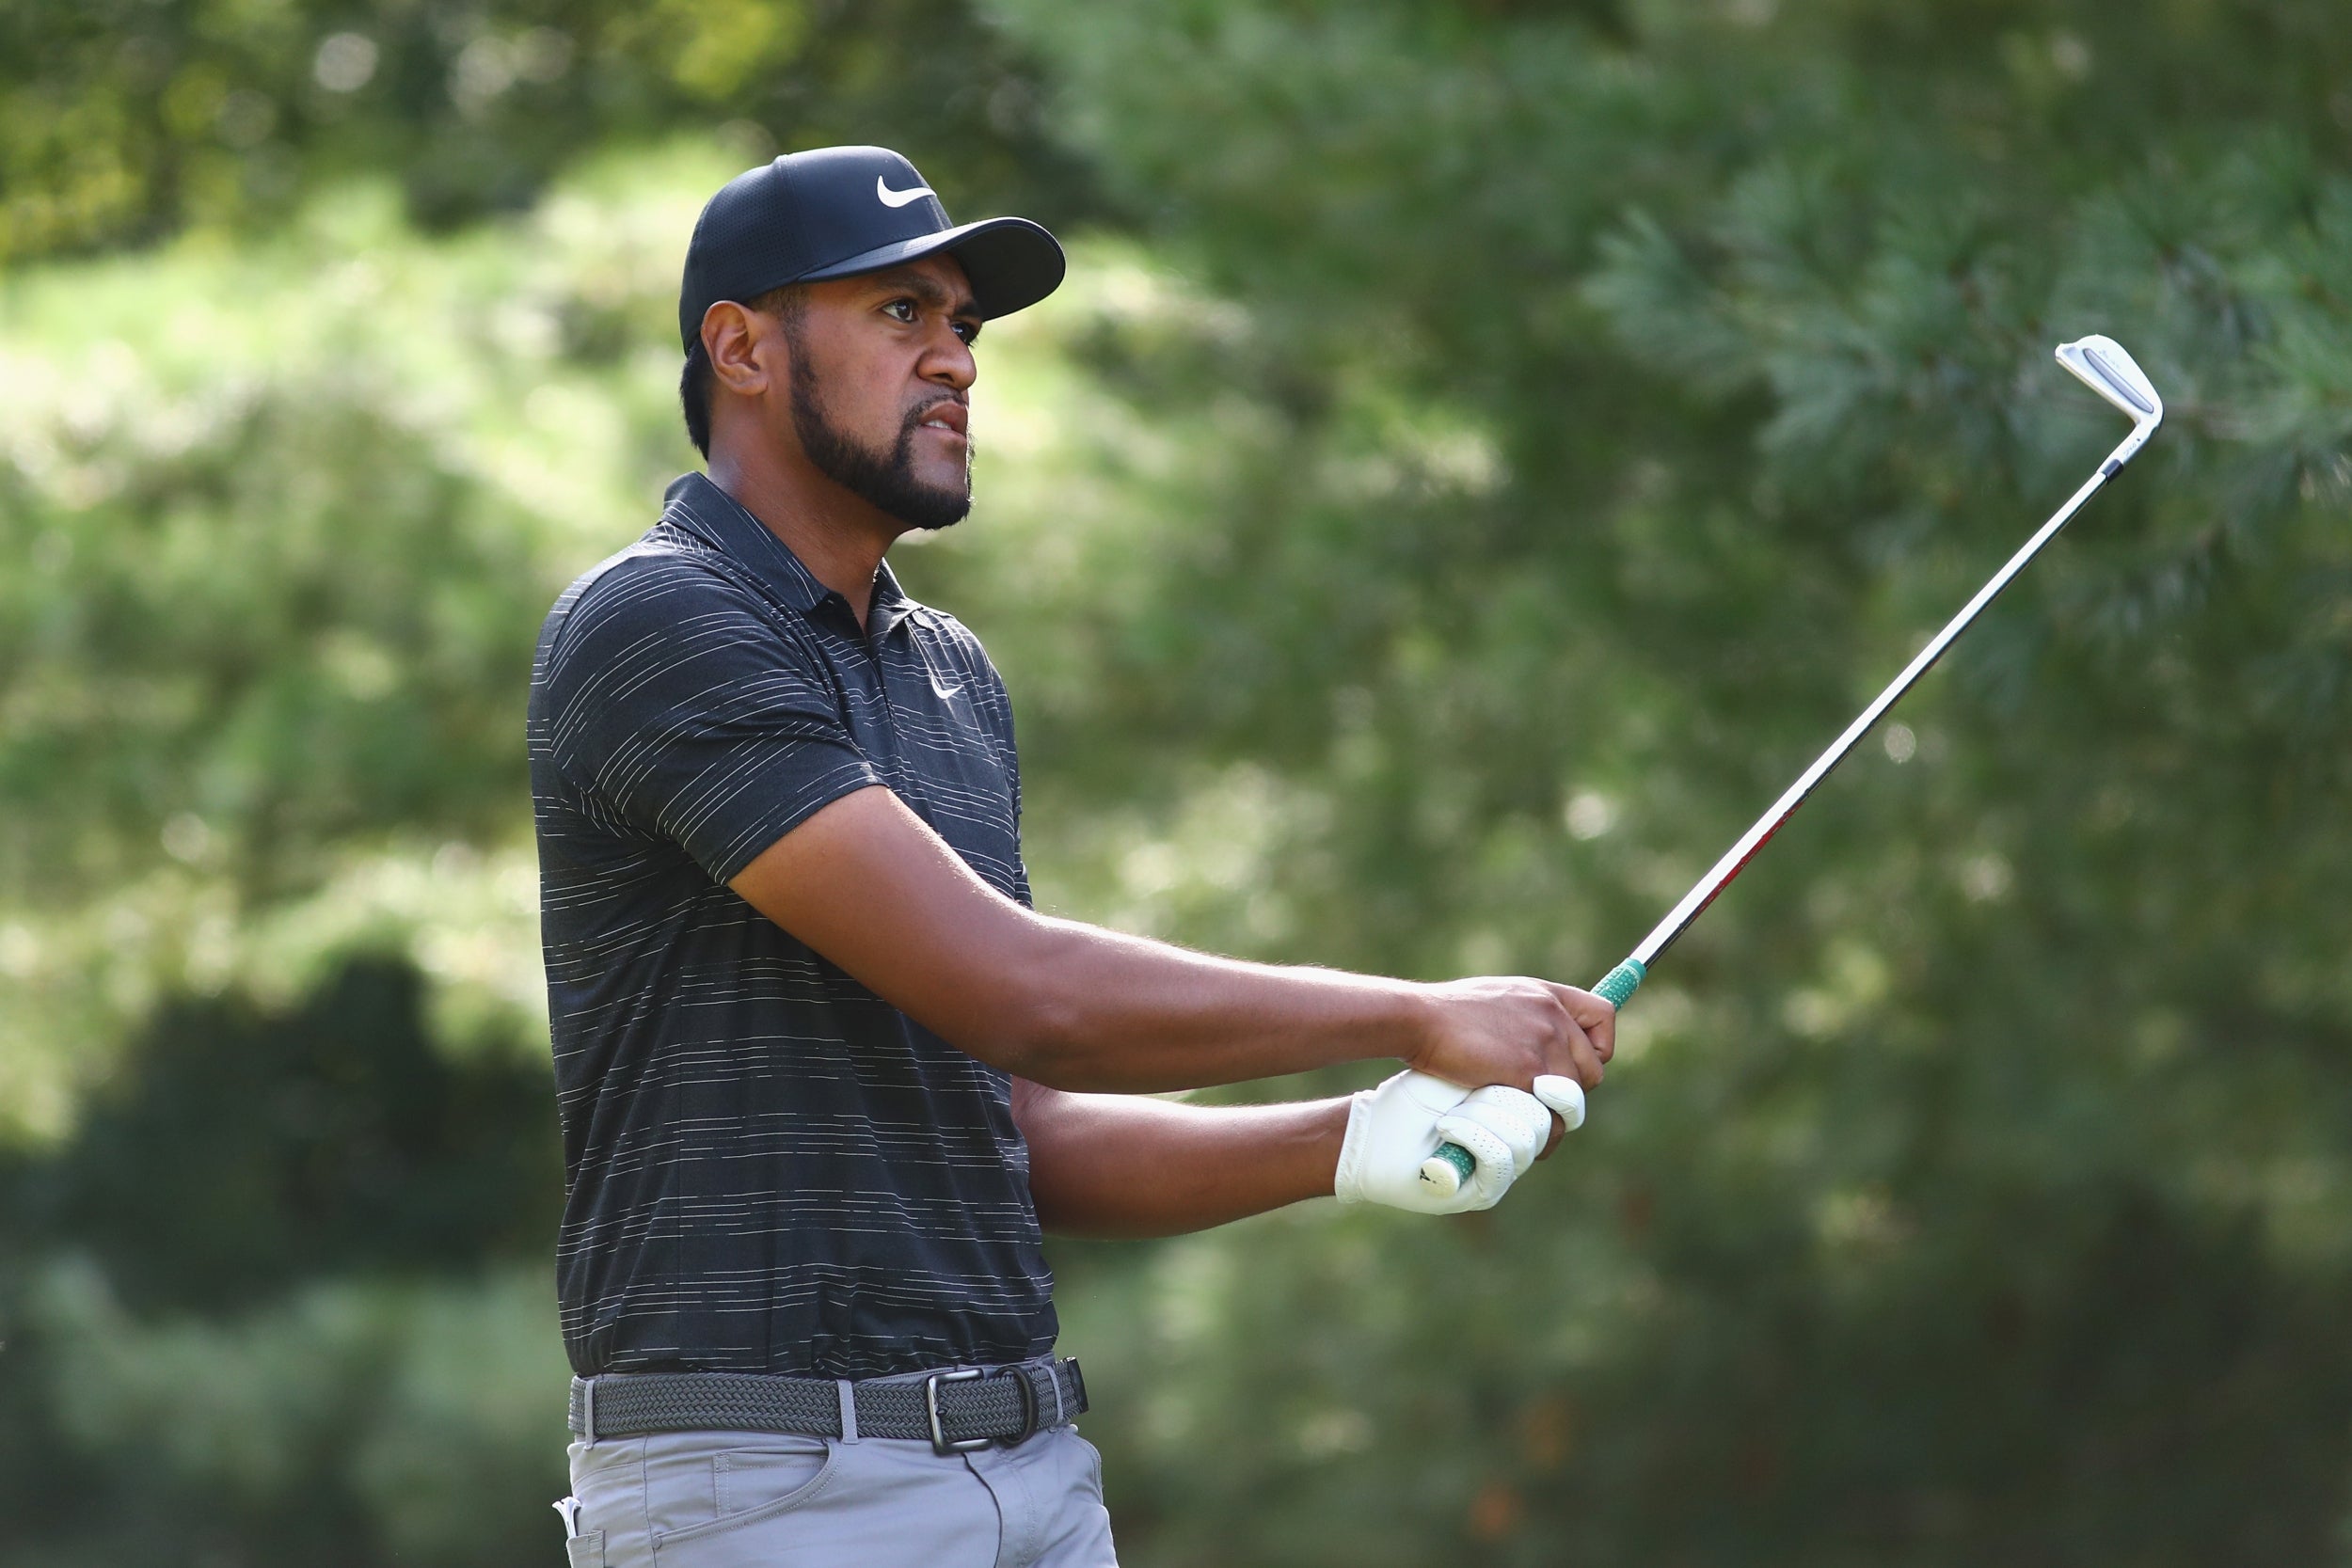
953,1411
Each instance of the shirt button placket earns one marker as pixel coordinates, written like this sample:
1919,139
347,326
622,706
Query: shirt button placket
904,777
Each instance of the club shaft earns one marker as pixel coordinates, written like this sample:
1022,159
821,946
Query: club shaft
1719,875
1451,1164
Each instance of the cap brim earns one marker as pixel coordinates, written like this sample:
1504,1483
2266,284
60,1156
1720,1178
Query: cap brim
1011,263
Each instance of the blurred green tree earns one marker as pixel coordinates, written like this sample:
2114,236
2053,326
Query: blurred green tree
263,1305
1509,440
126,120
333,1139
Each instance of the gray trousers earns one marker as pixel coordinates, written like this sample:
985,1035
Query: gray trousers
758,1499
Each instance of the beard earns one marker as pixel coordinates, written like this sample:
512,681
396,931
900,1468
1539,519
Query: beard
883,479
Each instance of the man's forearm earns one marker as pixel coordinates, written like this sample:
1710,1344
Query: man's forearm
1072,1006
866,884
1115,1166
1182,1019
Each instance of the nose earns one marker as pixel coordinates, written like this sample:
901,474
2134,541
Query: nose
948,360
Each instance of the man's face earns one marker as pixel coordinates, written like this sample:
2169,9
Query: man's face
882,369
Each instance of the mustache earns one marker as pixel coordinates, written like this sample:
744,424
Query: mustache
916,414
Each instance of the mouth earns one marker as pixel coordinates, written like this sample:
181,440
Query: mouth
947,415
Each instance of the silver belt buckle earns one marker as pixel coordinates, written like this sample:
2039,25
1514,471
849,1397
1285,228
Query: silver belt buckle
931,1407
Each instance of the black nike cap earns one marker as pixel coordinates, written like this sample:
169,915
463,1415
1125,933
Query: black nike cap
837,210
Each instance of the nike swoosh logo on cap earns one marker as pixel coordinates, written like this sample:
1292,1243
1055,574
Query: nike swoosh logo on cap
899,199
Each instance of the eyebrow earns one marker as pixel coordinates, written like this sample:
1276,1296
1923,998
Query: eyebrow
927,288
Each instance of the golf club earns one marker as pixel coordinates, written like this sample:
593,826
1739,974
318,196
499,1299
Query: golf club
2101,364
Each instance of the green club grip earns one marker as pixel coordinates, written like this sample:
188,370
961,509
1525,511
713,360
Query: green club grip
1457,1156
1620,983
1618,986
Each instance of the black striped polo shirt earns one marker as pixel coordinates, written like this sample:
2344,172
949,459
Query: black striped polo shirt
767,1168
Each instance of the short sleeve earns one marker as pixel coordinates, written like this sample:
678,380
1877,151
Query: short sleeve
675,699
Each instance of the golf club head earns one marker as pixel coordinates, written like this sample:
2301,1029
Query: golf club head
2102,365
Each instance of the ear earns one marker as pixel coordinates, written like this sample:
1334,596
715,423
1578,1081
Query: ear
744,347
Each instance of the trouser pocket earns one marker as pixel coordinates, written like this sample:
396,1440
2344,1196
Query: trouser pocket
586,1549
743,1479
739,1487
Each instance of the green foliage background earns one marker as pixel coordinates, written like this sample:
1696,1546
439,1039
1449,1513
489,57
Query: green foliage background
1483,452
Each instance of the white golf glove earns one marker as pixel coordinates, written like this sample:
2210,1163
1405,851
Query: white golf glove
1394,1128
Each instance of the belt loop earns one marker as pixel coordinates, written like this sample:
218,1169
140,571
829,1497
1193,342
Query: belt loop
1052,1375
1030,1405
588,1411
848,1409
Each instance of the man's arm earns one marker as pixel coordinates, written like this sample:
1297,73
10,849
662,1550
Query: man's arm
868,884
1121,1166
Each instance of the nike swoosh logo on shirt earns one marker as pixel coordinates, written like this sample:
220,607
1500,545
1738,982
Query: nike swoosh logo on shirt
899,199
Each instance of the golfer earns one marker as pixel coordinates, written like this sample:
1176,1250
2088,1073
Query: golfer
824,1074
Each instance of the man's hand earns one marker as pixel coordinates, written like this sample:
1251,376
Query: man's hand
1515,1031
1394,1128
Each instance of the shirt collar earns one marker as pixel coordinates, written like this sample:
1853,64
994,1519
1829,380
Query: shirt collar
890,604
695,504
